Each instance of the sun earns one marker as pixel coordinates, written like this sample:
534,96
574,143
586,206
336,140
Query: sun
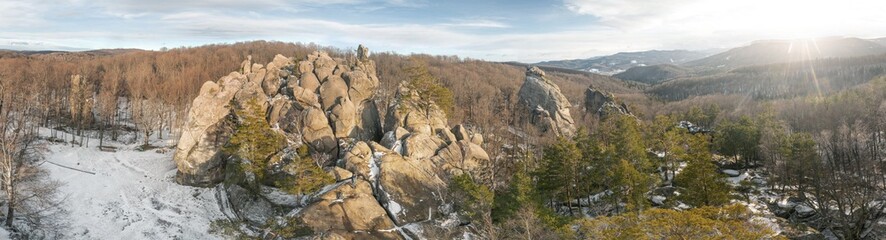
786,19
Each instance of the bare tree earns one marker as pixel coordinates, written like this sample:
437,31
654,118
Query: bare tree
18,141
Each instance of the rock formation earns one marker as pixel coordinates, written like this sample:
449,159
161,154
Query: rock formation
198,153
384,182
547,107
603,103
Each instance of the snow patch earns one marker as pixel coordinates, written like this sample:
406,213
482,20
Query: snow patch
658,199
731,173
132,194
803,209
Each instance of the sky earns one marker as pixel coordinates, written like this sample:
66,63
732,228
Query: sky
495,30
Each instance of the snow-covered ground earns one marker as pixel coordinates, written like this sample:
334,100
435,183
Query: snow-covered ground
132,195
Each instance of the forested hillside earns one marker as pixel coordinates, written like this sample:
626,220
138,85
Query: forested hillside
782,80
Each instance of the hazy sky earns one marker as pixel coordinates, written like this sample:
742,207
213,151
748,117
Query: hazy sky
496,30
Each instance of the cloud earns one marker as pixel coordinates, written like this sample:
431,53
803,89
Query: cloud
141,7
627,13
21,13
476,23
586,29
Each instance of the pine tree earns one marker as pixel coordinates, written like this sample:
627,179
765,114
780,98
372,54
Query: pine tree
803,156
307,176
428,88
630,186
700,182
254,142
624,167
739,138
559,176
475,199
668,140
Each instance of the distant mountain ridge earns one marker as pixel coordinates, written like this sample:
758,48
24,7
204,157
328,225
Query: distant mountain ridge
619,62
782,51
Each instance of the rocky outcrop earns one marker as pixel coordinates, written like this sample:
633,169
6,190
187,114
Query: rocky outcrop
307,100
198,153
547,107
384,181
603,103
410,189
411,114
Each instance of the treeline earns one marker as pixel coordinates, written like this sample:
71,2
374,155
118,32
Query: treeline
778,81
150,91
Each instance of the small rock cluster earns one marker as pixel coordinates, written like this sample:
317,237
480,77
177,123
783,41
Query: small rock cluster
603,103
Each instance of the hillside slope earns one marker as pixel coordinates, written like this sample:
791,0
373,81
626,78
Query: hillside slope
619,62
653,74
778,80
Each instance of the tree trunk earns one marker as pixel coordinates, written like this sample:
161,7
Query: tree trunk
10,197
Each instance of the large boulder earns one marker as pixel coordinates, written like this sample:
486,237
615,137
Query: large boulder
317,132
309,82
461,157
360,85
272,80
421,145
351,211
357,160
547,105
198,153
251,92
382,191
304,98
331,90
324,66
409,189
305,66
343,117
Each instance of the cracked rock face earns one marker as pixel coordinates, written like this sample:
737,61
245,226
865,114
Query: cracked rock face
548,107
198,154
349,210
387,184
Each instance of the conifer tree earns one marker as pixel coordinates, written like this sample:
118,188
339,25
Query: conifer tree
428,88
307,176
559,176
700,182
254,142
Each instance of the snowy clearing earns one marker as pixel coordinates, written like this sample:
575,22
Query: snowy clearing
132,195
